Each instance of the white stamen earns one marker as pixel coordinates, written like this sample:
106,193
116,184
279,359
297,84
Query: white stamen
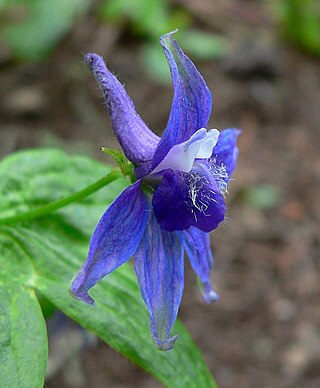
200,198
220,174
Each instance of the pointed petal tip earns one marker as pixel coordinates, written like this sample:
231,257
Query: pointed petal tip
165,345
235,132
210,297
83,296
209,294
80,295
168,35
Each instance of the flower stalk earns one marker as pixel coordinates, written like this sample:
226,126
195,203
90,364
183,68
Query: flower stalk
63,202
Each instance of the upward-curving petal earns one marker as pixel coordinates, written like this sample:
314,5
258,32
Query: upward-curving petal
158,263
197,245
137,140
226,152
192,101
114,241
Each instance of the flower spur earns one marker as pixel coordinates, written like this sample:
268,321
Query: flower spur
187,170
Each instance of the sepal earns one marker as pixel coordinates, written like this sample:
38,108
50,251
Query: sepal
192,101
114,240
124,164
159,265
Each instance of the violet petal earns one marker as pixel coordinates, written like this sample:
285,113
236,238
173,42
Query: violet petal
159,266
192,101
137,140
225,152
114,240
197,245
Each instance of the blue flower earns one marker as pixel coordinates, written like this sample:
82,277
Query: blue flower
177,200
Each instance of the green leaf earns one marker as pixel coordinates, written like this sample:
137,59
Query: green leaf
149,18
199,44
263,197
300,22
204,45
23,337
47,21
30,179
58,245
155,63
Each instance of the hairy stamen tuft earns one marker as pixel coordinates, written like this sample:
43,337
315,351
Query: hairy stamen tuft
220,174
199,198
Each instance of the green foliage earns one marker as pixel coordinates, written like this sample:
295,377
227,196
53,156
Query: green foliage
300,21
200,44
153,18
46,306
23,343
263,197
155,63
150,18
204,45
44,23
44,254
32,28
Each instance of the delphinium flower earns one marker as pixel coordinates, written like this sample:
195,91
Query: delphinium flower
177,197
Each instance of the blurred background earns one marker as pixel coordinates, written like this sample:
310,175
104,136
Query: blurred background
261,59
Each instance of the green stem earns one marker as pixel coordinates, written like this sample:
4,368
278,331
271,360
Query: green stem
60,203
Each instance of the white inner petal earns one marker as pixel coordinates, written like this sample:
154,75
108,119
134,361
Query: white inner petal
206,146
182,156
